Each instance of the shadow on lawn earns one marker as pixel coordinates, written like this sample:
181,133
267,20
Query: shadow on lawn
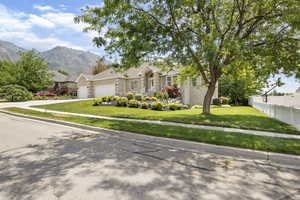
120,168
236,121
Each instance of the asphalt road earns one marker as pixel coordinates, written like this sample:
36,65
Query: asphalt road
45,161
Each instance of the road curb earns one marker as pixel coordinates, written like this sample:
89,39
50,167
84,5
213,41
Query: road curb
275,159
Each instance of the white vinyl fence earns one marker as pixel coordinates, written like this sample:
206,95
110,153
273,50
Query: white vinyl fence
287,114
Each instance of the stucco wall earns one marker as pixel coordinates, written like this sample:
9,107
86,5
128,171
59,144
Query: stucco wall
137,88
194,95
82,82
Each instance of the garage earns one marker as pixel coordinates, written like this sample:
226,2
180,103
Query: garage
82,92
105,88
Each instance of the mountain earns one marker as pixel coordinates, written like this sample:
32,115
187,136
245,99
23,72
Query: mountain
70,60
9,51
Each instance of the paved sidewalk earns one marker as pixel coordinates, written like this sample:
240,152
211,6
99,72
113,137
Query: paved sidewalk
250,132
36,103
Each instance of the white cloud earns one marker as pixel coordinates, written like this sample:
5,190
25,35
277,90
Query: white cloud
64,19
17,27
44,8
39,21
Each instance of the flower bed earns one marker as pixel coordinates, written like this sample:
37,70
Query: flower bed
138,101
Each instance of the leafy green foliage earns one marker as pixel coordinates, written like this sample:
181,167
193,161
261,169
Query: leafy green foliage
15,93
122,101
30,71
156,106
175,106
130,95
145,105
163,96
133,103
210,36
240,84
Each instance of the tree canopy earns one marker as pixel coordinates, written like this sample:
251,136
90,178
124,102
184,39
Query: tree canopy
211,36
30,71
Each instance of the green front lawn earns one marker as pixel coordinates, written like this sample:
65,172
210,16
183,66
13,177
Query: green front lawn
279,145
236,117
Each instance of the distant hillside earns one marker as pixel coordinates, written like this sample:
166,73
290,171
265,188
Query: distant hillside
70,60
9,51
67,59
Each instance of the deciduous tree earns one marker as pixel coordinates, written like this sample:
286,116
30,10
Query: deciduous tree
209,35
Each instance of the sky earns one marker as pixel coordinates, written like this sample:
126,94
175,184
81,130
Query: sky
44,24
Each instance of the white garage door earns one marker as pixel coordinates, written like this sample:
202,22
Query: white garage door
104,89
83,92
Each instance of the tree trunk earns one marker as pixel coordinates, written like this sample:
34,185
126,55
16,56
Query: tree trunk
208,97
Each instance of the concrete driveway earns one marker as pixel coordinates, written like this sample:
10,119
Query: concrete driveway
45,161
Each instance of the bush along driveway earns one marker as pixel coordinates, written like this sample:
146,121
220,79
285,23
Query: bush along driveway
242,117
264,143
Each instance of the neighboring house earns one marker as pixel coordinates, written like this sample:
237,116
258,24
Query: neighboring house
144,80
63,85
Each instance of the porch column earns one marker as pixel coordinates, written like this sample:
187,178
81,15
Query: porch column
156,77
143,84
91,90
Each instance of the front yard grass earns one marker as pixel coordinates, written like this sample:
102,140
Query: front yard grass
243,117
279,145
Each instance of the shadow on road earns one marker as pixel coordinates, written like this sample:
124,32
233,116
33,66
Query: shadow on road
110,167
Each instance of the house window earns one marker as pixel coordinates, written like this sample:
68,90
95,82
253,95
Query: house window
133,85
169,80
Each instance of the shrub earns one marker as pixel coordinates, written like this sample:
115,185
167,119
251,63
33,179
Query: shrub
138,97
116,98
162,96
146,98
165,106
107,98
15,93
153,99
224,100
130,96
221,101
175,106
185,107
196,107
133,103
216,102
173,91
144,105
156,106
97,101
39,97
122,101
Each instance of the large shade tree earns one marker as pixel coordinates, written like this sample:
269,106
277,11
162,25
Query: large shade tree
30,71
209,35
